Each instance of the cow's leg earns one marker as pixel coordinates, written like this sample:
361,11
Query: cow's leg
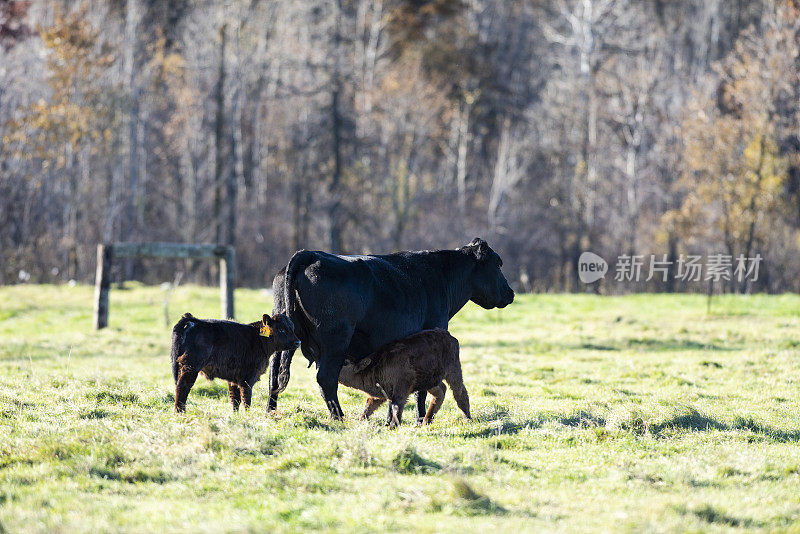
334,342
274,363
247,394
328,380
438,394
280,362
373,403
420,396
234,395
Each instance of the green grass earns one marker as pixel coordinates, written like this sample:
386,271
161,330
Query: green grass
590,413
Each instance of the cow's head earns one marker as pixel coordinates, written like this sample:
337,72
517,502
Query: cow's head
489,287
280,329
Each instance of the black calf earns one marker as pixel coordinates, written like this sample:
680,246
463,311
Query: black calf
238,353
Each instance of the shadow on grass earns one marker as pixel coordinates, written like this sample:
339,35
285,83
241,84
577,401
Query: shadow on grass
689,419
636,421
650,344
14,407
750,425
314,421
579,419
111,396
676,344
635,343
499,428
470,502
408,461
498,419
506,426
97,413
211,390
712,515
592,346
130,476
631,343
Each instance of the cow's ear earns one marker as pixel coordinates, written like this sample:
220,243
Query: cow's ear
479,248
265,319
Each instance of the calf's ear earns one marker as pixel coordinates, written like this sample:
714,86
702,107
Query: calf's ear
361,364
265,329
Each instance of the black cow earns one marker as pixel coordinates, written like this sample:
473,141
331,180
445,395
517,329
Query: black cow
346,307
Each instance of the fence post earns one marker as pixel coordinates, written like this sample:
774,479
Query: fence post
106,253
102,284
227,282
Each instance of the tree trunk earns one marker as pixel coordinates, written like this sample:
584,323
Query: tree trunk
130,232
751,231
504,176
337,126
673,257
334,215
234,171
219,134
297,216
461,156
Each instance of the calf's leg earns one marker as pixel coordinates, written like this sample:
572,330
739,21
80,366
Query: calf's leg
190,363
396,410
438,394
246,394
234,394
373,403
186,379
456,382
420,396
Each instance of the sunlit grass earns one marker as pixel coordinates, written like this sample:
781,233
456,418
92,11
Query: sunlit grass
635,413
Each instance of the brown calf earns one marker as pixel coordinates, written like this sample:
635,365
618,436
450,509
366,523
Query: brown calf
419,362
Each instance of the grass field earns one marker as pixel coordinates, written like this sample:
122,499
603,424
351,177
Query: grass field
590,413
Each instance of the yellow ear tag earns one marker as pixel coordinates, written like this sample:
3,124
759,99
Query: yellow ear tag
265,331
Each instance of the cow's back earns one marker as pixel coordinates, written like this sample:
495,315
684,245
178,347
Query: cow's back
383,298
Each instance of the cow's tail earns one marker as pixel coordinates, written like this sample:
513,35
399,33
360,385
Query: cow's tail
177,341
296,265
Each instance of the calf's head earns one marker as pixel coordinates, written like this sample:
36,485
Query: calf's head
280,330
489,287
